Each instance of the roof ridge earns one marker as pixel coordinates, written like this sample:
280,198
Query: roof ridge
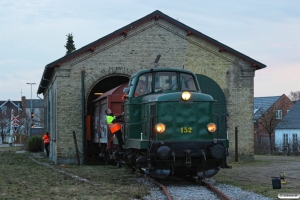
123,31
12,103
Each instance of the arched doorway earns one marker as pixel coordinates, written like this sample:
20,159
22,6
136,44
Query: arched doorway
104,85
92,148
209,86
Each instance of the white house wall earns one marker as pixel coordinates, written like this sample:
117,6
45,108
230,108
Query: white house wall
279,135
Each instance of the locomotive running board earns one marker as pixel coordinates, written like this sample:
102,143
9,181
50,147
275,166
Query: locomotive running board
158,173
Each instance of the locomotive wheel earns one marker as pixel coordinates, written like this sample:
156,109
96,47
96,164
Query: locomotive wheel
139,167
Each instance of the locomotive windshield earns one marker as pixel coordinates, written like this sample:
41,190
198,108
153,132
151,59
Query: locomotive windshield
162,81
187,82
170,81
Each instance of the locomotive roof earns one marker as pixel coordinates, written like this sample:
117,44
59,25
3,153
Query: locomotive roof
161,70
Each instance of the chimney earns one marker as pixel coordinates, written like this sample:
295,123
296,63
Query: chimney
23,106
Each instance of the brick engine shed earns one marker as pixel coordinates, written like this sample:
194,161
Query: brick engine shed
69,84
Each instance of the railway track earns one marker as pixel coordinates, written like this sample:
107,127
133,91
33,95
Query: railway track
213,189
219,194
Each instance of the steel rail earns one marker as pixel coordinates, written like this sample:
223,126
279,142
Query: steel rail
162,187
212,188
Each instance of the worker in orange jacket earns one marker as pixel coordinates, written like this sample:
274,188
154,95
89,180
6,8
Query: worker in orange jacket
115,127
46,139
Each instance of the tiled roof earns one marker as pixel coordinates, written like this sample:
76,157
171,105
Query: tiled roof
292,119
262,104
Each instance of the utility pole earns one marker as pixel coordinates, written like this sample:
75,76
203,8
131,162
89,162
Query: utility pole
31,112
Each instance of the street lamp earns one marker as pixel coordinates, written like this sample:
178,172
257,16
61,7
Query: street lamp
31,102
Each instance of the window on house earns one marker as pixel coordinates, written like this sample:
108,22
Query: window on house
278,114
295,138
295,144
285,139
4,108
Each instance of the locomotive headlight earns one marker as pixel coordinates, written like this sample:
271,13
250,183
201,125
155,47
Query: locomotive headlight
160,128
211,127
186,95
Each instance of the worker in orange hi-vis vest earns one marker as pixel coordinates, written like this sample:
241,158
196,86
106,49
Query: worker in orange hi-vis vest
46,139
115,127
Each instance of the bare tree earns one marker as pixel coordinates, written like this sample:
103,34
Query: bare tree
3,124
294,96
25,123
272,117
38,119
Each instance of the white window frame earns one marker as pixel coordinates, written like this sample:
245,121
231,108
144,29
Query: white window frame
295,138
278,114
285,139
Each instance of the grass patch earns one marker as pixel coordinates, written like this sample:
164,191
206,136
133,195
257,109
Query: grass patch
22,178
256,176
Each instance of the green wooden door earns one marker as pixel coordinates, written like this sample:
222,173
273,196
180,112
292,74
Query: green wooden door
209,86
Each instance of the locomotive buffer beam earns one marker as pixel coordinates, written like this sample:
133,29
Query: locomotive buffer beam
206,173
157,173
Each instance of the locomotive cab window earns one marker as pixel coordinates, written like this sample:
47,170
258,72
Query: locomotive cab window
143,85
165,81
187,82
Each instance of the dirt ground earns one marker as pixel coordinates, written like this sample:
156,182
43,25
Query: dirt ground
257,176
270,166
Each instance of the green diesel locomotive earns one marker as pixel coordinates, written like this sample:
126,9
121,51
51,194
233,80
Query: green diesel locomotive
169,125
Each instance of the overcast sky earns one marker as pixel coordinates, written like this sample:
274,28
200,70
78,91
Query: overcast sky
33,34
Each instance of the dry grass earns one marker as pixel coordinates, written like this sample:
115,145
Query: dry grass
256,176
22,178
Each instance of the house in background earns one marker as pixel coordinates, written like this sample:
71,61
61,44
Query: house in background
268,112
15,117
11,113
37,110
287,132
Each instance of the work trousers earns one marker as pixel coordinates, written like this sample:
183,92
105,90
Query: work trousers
120,140
47,148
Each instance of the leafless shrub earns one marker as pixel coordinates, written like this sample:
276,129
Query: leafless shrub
290,148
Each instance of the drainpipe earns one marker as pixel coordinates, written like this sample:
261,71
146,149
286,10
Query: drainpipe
49,113
83,116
